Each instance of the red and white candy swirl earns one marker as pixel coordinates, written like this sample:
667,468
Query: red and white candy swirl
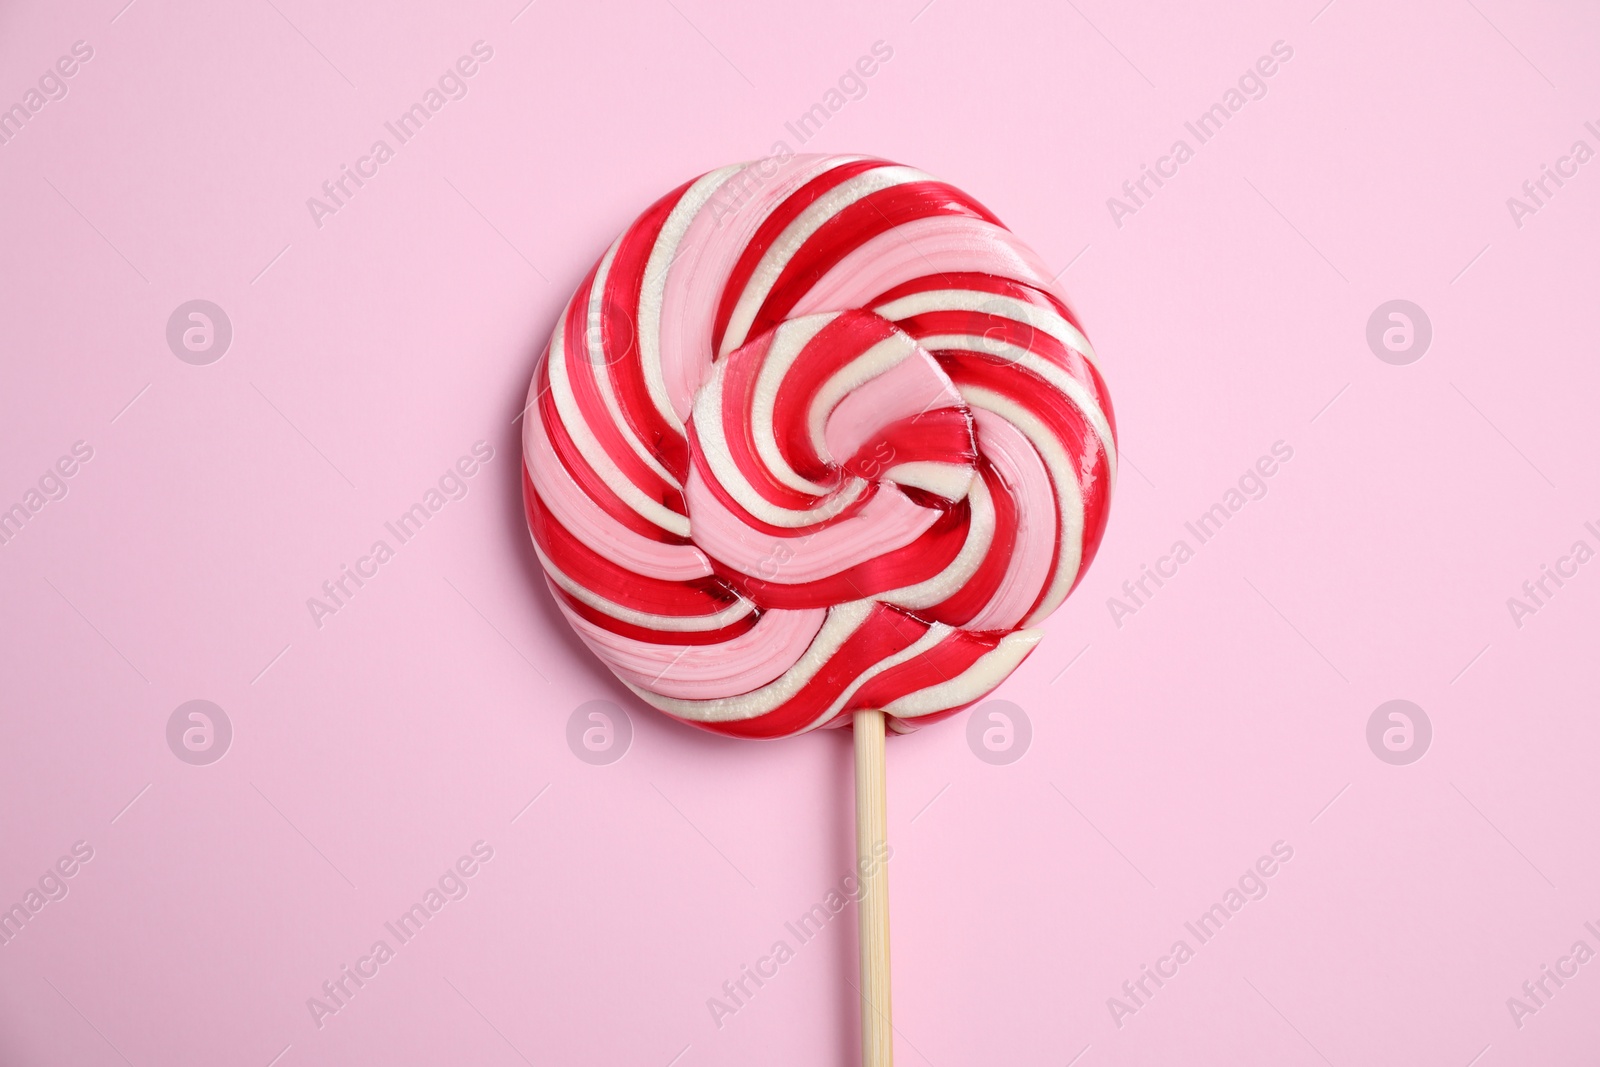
815,435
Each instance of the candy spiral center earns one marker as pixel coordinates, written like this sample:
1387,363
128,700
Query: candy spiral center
831,459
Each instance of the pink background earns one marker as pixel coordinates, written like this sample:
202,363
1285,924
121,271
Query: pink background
1230,312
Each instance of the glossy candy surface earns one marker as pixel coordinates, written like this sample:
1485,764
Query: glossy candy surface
815,434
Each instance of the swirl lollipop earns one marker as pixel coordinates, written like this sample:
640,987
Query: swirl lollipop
816,442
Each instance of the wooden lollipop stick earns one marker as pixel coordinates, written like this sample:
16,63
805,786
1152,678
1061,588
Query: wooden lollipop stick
872,839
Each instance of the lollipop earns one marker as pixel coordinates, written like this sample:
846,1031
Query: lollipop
817,442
